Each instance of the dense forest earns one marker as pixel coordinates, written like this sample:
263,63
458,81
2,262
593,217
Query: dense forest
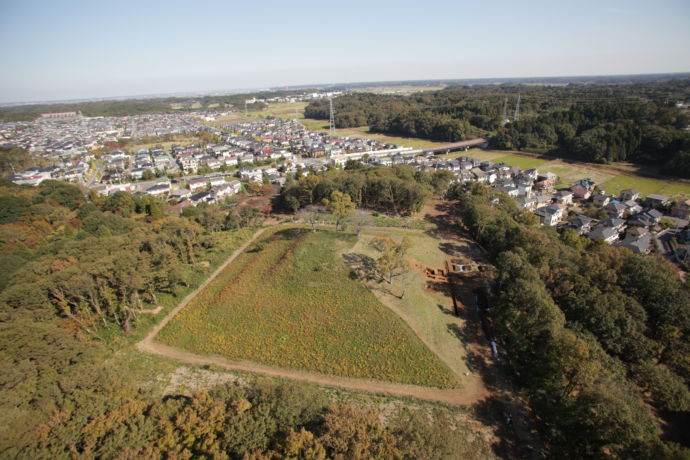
14,159
596,123
593,334
399,190
80,275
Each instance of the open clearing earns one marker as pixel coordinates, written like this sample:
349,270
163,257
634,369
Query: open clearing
427,311
363,133
182,140
289,301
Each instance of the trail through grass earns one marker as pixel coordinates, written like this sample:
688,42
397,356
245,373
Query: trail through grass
290,302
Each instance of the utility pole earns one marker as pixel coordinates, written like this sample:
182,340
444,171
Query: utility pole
332,116
517,109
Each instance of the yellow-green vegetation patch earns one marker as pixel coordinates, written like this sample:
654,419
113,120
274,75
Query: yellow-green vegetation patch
281,110
419,306
314,125
646,186
525,162
363,132
290,301
569,174
424,248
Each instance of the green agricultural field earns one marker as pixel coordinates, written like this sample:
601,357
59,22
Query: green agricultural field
524,162
646,186
290,301
314,125
288,110
568,174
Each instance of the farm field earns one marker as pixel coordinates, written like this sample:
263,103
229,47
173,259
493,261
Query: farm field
288,110
523,162
646,186
288,302
568,174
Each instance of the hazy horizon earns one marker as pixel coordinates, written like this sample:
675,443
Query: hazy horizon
56,51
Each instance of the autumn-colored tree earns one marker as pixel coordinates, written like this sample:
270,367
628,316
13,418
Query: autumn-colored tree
391,264
340,205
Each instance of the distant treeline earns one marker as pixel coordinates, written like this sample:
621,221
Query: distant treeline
118,108
595,123
590,332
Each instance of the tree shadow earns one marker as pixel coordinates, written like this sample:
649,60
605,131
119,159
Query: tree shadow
362,265
452,249
290,233
514,436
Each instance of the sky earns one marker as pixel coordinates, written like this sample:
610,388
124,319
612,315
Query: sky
60,50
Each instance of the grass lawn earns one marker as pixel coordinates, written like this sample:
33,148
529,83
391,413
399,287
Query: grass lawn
363,132
290,301
568,174
521,161
187,140
646,186
314,125
282,110
420,307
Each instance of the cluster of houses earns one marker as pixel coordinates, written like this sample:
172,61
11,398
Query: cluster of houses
56,136
625,220
290,135
284,146
629,221
212,188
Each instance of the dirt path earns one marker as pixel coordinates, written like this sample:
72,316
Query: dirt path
459,396
146,344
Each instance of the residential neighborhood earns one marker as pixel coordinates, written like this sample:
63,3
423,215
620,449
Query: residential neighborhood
266,151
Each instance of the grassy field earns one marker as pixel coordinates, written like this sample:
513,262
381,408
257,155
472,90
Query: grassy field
568,174
420,307
523,162
183,140
288,302
282,110
363,132
646,186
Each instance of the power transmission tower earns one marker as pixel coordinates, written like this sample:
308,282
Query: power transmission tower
517,109
245,108
332,116
505,111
